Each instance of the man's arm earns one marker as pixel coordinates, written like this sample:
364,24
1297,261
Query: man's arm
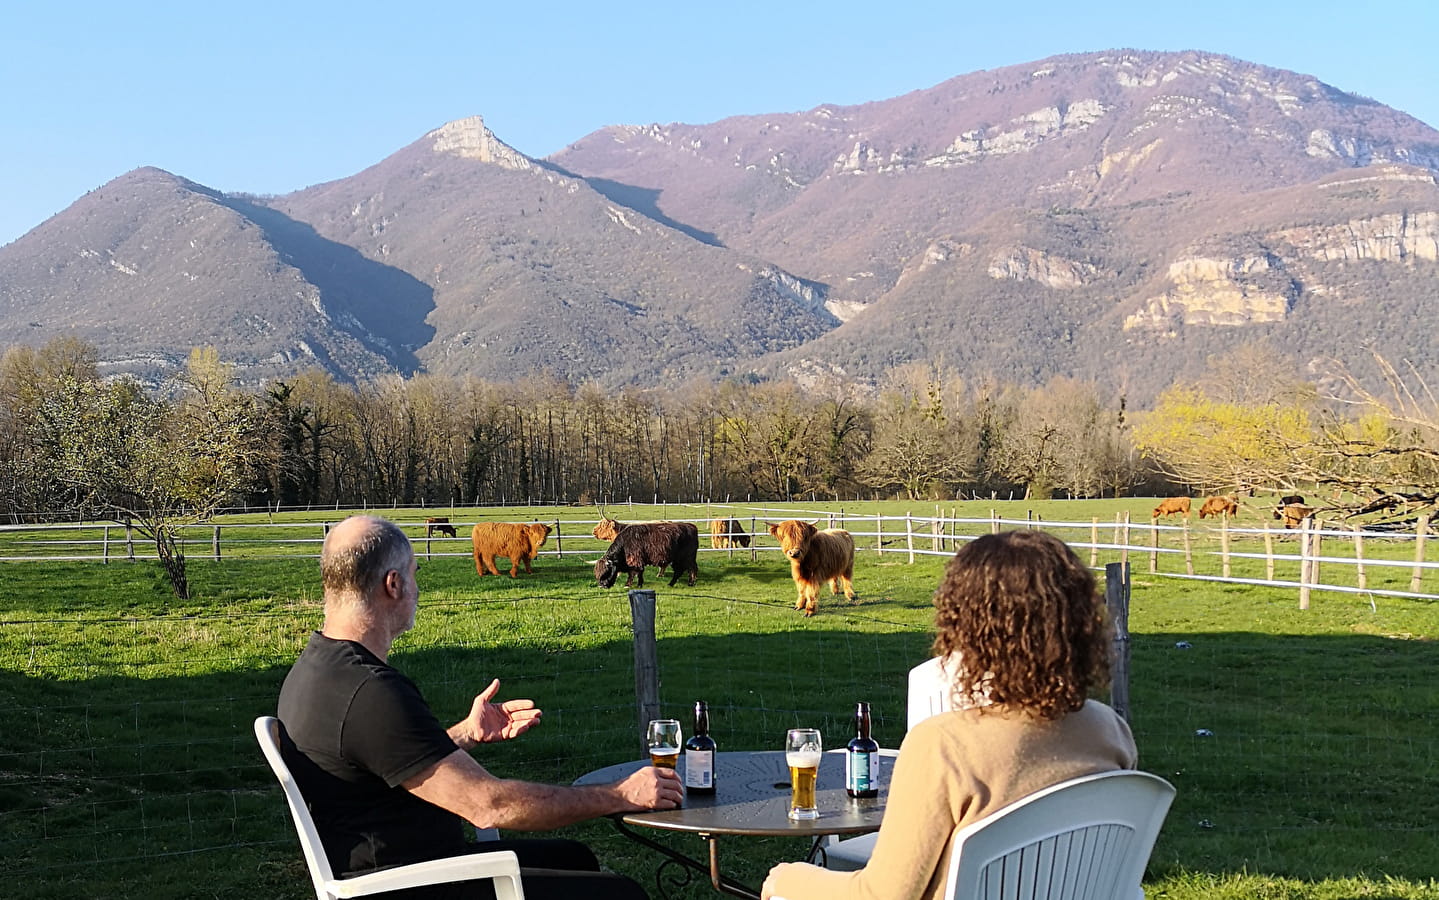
461,785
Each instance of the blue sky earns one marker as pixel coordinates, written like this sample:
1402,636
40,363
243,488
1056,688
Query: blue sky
271,97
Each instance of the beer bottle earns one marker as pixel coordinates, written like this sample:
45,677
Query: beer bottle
861,770
700,754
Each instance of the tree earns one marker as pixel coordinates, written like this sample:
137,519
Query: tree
160,466
916,444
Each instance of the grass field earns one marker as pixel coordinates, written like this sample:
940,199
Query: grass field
1303,743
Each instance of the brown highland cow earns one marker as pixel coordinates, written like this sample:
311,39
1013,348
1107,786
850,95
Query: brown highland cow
816,556
519,543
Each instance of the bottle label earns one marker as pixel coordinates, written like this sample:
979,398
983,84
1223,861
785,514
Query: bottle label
860,771
699,768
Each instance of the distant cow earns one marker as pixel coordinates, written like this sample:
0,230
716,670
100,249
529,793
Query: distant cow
439,525
659,544
1171,506
1219,506
815,557
726,533
1291,500
1293,514
517,542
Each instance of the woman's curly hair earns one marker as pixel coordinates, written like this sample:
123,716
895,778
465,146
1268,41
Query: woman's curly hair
1023,614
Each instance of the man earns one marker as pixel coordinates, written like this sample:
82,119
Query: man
386,783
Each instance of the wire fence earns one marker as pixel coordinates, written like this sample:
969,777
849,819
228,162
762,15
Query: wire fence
1313,556
126,751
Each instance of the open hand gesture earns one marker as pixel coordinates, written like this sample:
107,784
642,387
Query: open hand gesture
489,721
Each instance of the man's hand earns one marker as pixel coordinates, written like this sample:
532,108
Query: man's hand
490,721
652,787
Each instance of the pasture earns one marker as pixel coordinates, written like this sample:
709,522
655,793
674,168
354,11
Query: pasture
1302,742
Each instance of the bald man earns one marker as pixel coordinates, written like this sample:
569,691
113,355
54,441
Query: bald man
387,784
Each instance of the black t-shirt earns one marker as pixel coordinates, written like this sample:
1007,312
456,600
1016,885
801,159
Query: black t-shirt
357,729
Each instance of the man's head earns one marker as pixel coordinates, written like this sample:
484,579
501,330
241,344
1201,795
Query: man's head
366,561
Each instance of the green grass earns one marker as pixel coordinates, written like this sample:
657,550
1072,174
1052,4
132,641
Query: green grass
127,765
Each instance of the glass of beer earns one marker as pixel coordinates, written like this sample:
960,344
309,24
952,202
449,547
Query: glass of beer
802,751
663,738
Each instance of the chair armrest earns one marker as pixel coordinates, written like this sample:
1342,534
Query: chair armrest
496,863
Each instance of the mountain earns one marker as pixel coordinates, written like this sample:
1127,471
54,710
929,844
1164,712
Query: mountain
1120,216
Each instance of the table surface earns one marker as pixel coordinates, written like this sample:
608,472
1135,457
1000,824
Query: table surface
752,797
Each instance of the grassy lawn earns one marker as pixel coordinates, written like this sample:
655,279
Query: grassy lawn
1303,743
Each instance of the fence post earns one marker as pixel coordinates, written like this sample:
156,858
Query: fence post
935,542
1116,598
753,544
1188,551
215,544
909,534
105,546
1360,576
129,540
560,545
993,522
1421,531
1268,554
1154,545
1224,543
1304,535
1124,547
1093,541
647,668
878,535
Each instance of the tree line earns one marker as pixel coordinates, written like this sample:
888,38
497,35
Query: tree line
161,456
927,433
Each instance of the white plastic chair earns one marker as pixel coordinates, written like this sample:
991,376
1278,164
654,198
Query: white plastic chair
1084,839
1088,838
929,691
501,865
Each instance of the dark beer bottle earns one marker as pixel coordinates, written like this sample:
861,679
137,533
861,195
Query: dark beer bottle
861,770
700,754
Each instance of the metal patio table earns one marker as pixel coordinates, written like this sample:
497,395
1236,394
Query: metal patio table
751,798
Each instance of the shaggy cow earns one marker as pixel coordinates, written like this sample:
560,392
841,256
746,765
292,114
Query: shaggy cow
649,544
1290,500
1293,514
438,525
815,557
1171,506
1219,506
519,543
606,529
727,533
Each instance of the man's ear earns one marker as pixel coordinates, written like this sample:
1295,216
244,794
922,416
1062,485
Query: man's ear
394,583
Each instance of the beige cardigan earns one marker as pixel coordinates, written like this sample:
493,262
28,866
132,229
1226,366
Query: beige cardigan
953,769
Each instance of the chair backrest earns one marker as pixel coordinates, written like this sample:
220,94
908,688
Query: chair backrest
1084,839
929,691
268,731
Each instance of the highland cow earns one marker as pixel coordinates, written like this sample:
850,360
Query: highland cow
519,543
438,525
1171,506
816,556
1219,506
1290,500
659,544
727,533
1293,514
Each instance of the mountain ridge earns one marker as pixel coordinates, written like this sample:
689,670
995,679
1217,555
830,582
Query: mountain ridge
1118,216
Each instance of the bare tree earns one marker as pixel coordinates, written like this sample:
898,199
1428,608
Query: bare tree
161,466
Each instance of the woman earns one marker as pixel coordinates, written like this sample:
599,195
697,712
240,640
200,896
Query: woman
1021,613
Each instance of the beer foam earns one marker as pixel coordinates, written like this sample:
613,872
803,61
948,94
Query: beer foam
803,759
